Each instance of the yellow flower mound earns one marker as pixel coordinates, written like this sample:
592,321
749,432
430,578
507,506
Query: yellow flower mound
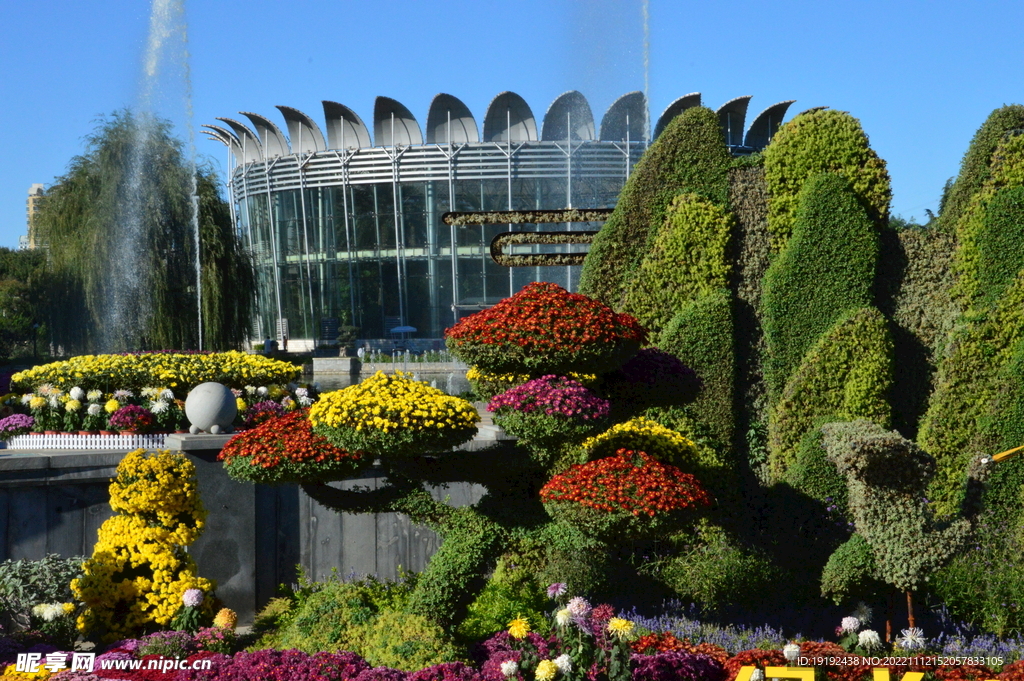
393,414
139,568
11,673
643,435
179,372
487,384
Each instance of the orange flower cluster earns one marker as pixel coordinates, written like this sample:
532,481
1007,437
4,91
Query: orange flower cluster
657,643
286,443
630,481
756,658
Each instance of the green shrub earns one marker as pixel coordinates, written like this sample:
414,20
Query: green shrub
689,156
511,591
975,169
965,386
701,336
272,617
847,373
27,583
409,642
820,141
848,573
688,258
813,474
826,269
1002,428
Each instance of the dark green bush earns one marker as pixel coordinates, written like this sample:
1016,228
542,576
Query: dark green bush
689,156
816,142
510,592
848,573
701,335
847,373
975,167
688,258
813,474
827,268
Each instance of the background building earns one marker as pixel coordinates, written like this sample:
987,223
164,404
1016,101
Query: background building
32,205
346,227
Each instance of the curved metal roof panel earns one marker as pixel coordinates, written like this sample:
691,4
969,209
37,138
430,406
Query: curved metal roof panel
674,109
509,119
626,118
731,117
568,117
766,125
225,137
393,124
303,131
449,113
252,150
345,129
274,143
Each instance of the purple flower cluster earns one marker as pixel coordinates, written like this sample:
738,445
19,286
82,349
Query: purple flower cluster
285,665
502,647
131,417
15,424
446,671
553,395
262,411
677,666
381,674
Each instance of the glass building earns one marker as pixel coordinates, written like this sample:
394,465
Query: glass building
346,228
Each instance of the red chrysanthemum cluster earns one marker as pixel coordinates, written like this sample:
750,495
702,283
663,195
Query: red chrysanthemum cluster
546,323
633,482
753,658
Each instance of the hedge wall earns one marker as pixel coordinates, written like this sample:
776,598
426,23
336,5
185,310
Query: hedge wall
701,335
846,374
689,156
828,267
820,141
688,258
965,386
975,168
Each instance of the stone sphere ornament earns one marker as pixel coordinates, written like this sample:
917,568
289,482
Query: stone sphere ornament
211,407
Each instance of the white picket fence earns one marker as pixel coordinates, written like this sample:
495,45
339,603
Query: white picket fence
73,441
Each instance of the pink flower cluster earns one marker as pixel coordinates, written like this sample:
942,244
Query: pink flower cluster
552,395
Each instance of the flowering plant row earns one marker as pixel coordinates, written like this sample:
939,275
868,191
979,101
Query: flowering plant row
393,415
284,449
177,371
546,329
643,434
486,384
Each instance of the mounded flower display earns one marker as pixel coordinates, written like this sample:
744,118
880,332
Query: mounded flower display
393,415
630,494
645,435
544,329
284,449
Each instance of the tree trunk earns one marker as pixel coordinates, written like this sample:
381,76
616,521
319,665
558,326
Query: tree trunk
910,608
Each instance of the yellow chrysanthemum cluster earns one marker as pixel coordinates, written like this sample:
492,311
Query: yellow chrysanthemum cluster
644,435
180,372
139,569
487,384
391,402
11,673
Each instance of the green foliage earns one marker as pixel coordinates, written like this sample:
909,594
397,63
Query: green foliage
849,571
701,336
975,169
816,142
827,268
965,386
136,161
272,617
1003,427
27,583
687,259
847,374
1001,242
23,286
406,641
689,156
813,474
510,592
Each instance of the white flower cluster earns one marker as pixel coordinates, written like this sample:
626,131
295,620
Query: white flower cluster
48,611
869,640
509,668
912,639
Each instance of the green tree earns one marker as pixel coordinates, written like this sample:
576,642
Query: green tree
121,247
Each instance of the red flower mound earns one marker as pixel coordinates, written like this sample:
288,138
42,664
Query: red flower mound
286,450
546,329
753,658
665,642
630,493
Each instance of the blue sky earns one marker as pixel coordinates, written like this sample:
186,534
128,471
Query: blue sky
920,75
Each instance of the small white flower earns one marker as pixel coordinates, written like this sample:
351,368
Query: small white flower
158,407
564,663
48,611
912,639
509,668
862,613
791,651
850,624
27,397
250,390
94,409
578,606
77,393
54,400
94,395
262,390
757,675
149,393
869,640
167,394
301,392
192,598
122,395
304,401
563,617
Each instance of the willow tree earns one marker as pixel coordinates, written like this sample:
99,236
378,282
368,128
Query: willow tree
118,226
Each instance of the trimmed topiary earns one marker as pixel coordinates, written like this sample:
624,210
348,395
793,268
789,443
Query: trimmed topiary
651,378
688,258
850,571
815,142
975,169
545,329
689,156
701,335
827,268
813,474
847,373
